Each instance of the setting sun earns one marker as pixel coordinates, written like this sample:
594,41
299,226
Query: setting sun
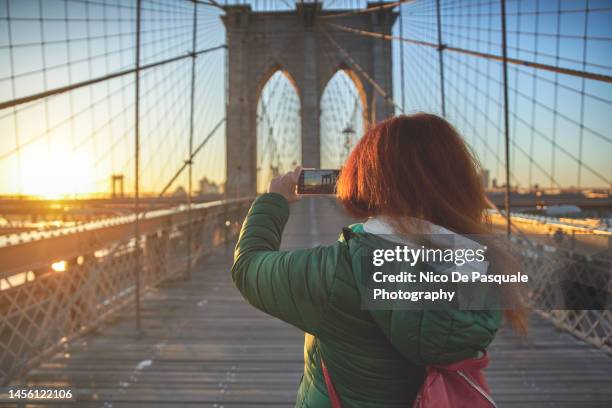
56,172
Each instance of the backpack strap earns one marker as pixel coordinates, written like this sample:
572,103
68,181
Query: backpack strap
334,399
332,394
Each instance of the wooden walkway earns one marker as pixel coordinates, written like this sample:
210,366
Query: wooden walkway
204,346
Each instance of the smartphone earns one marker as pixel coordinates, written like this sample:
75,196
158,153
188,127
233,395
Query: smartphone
318,181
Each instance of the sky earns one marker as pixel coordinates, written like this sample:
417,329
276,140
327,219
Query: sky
72,143
546,110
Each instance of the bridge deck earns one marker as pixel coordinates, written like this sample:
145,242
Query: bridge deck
204,346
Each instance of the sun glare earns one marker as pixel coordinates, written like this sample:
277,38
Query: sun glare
56,172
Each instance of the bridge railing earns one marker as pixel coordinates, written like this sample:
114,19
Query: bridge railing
61,284
569,287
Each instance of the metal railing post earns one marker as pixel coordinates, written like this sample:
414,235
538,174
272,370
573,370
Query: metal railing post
441,58
506,117
226,226
137,170
191,129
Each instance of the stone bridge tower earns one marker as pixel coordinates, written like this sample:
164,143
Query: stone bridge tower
298,44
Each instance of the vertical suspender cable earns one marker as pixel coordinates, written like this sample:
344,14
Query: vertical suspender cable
11,67
441,58
506,119
191,129
582,87
226,94
137,169
555,109
401,28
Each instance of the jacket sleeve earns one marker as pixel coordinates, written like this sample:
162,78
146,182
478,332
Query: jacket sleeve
293,286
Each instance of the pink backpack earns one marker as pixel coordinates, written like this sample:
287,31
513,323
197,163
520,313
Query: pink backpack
457,385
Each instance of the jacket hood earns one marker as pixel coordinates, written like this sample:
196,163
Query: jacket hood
437,235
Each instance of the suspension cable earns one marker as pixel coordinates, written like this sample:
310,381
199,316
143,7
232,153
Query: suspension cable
560,70
367,10
362,71
67,88
193,154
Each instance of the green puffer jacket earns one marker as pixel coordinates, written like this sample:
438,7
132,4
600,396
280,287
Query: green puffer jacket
375,359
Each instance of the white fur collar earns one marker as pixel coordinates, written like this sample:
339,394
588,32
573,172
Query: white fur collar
382,226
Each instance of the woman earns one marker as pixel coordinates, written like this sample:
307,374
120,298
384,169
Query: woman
407,174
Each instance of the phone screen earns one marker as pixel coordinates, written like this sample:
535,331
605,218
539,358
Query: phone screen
318,181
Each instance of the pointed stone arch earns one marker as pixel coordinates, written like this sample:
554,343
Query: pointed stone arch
269,73
274,152
343,120
359,85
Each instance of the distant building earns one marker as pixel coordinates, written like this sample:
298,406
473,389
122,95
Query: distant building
485,178
179,192
208,187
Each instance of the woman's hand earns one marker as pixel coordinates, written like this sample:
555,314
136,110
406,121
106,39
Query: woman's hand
286,185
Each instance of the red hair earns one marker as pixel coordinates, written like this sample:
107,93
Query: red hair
418,166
